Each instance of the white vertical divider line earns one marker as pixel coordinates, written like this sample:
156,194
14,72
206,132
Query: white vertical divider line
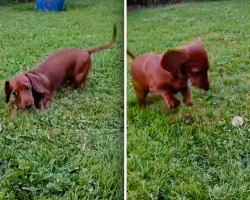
125,99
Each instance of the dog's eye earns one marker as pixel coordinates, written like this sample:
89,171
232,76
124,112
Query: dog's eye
27,87
14,93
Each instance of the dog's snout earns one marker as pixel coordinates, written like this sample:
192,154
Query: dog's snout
28,107
205,89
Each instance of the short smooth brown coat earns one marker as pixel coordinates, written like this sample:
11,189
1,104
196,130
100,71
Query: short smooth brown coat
35,88
167,74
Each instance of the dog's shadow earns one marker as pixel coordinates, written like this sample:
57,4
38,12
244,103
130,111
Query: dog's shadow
154,100
173,115
150,100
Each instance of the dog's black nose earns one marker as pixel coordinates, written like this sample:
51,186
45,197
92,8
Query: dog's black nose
28,107
206,89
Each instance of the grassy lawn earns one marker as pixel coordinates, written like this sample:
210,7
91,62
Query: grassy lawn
75,149
199,154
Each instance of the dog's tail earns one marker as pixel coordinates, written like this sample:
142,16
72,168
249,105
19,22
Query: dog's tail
101,48
133,56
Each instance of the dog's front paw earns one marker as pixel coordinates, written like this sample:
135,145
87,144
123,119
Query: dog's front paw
189,104
174,104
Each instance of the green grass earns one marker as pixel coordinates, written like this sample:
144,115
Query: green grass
199,154
75,149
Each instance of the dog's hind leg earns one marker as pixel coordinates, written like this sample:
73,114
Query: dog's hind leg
141,95
82,75
79,80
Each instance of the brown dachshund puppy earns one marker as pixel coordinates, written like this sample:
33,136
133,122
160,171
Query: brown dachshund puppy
35,89
167,74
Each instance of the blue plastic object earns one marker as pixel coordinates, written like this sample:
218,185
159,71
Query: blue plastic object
49,5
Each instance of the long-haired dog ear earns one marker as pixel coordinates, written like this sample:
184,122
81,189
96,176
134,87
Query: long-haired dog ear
36,84
7,91
173,59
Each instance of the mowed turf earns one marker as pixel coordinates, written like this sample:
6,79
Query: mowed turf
196,154
75,149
